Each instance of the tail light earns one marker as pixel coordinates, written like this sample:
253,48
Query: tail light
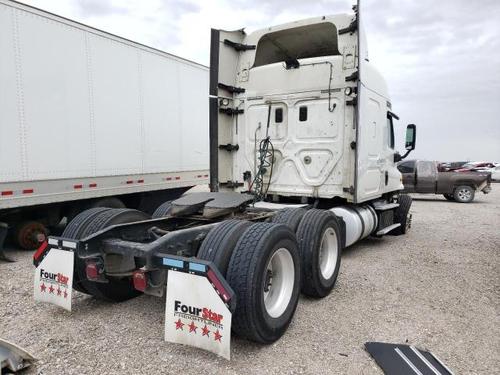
140,279
93,270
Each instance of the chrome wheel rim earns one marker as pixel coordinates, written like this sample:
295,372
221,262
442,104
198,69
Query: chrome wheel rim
328,253
278,282
464,194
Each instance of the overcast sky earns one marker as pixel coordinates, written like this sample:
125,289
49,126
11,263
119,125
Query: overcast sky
441,58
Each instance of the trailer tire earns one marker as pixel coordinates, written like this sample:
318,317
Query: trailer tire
464,194
290,217
320,244
117,289
402,215
163,210
220,242
449,197
264,250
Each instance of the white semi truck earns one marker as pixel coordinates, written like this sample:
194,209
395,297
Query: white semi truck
90,119
302,164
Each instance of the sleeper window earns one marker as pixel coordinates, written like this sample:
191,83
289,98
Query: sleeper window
303,113
278,115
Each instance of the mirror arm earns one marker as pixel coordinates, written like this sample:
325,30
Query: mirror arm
406,154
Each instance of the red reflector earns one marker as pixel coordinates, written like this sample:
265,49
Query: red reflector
129,182
199,176
8,192
218,285
92,271
28,191
177,178
140,181
80,186
92,185
140,280
168,178
206,175
40,251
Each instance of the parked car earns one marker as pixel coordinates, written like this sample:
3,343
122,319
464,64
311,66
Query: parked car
422,176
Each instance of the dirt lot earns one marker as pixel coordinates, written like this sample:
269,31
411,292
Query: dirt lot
437,288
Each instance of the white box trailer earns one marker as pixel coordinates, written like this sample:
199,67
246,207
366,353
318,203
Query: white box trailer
86,114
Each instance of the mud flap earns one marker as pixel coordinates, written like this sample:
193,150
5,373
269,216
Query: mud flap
54,278
14,358
195,314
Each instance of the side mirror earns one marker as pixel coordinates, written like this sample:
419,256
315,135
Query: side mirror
411,137
410,140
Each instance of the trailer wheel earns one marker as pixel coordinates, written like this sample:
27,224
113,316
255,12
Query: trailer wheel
29,234
402,215
220,242
264,272
117,289
464,194
290,217
449,197
162,210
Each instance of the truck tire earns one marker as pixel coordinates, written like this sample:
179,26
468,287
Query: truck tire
264,272
449,197
290,217
117,289
220,242
109,202
79,222
74,230
320,244
162,210
464,194
402,215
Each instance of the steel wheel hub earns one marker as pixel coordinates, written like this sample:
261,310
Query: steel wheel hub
278,282
328,253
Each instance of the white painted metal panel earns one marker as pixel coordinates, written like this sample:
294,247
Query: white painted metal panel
116,106
55,98
11,150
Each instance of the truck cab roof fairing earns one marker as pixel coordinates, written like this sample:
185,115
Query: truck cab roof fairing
315,40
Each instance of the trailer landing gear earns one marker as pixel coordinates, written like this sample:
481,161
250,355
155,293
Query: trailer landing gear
3,235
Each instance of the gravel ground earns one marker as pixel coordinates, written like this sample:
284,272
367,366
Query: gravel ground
437,287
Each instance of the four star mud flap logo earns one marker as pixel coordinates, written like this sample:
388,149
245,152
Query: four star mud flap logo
195,314
54,278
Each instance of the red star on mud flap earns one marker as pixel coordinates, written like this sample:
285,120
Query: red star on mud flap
179,325
51,289
65,294
59,291
43,287
206,331
218,336
192,327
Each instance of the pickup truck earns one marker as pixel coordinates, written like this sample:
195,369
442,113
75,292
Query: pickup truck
422,176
